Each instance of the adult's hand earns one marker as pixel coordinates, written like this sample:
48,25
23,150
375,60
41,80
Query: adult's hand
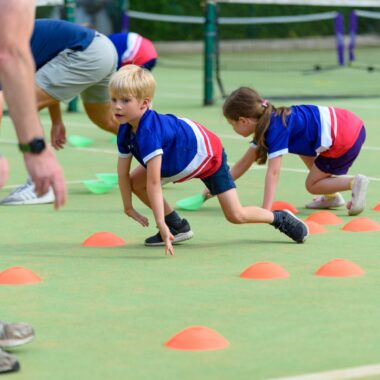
45,172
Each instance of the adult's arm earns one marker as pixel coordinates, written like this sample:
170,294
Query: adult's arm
17,81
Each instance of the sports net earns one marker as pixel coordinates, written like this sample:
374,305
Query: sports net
253,49
364,46
318,65
254,56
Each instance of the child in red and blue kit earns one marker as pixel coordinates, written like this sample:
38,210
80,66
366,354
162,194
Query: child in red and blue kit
327,139
132,48
173,149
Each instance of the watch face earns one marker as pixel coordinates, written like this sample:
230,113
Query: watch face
37,145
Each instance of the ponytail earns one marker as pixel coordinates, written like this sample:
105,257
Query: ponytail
259,137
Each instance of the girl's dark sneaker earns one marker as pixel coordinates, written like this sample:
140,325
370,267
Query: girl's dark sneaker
290,225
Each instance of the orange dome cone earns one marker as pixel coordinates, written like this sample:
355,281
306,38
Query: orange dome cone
377,207
197,338
281,205
324,217
103,239
339,268
18,276
315,228
361,225
264,271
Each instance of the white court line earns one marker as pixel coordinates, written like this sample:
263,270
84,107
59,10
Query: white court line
233,137
340,374
76,182
114,152
93,150
230,137
96,150
304,171
371,148
257,167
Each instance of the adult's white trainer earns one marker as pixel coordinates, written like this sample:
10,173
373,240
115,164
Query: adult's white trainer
25,195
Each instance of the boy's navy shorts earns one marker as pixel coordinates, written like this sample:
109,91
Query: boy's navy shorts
221,181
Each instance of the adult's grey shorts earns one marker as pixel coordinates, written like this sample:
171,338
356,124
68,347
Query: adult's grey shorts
85,73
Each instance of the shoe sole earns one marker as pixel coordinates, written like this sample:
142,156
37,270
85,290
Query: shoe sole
324,207
9,343
36,201
25,203
177,239
310,206
360,199
306,226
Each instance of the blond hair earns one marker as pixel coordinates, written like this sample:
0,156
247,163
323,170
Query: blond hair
132,80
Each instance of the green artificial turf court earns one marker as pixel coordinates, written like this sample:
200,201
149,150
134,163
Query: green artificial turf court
105,313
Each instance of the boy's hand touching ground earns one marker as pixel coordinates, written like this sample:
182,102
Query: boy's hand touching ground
167,238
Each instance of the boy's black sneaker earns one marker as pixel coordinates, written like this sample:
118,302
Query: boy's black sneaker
181,233
290,225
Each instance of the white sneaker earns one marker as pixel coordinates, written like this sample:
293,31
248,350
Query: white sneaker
323,202
359,192
25,195
15,334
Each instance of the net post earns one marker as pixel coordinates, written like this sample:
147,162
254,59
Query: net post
217,55
70,10
352,33
339,33
209,49
70,16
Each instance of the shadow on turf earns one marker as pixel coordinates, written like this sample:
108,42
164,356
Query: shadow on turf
130,251
64,250
96,256
241,241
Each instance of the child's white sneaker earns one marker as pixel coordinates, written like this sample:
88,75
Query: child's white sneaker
324,202
359,192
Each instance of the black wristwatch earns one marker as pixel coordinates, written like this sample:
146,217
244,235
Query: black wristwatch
36,146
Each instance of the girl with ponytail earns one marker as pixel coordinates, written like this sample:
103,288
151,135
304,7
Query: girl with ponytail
327,139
